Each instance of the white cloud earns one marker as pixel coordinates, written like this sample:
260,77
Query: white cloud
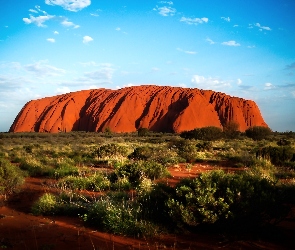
34,11
268,86
88,64
118,29
239,81
155,69
226,19
55,32
71,5
236,26
102,75
166,2
209,83
262,27
52,40
194,20
251,46
37,20
87,39
43,69
231,43
210,41
165,10
66,23
187,51
63,90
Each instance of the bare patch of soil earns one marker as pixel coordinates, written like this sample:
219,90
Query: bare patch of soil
19,229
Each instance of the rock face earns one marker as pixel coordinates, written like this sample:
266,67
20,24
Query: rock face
162,109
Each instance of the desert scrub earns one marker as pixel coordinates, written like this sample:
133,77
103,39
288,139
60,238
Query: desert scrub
111,151
119,216
96,182
11,177
226,199
62,204
137,170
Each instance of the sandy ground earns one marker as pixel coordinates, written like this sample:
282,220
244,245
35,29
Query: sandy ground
19,229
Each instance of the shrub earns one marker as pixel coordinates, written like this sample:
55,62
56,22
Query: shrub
277,155
11,177
142,153
143,131
112,150
231,129
209,133
46,205
96,182
258,133
119,217
217,197
186,150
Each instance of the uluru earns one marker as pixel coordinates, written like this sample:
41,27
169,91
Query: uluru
157,108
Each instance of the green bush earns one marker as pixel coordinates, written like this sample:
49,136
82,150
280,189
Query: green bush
186,150
142,153
217,197
258,133
112,150
231,129
122,217
277,155
209,133
95,182
11,177
46,205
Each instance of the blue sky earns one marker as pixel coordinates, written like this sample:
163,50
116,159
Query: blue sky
241,48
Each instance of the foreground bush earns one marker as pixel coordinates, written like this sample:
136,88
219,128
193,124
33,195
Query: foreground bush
225,199
11,177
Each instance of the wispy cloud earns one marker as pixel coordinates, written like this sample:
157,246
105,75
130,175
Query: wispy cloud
55,32
195,21
155,69
187,51
51,40
239,81
262,27
290,66
166,2
210,40
71,5
67,23
39,20
102,75
231,43
209,82
268,86
43,69
165,10
227,19
87,39
258,25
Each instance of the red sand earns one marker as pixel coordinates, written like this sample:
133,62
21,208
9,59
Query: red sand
19,229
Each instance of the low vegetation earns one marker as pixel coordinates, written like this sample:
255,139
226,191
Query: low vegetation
118,182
